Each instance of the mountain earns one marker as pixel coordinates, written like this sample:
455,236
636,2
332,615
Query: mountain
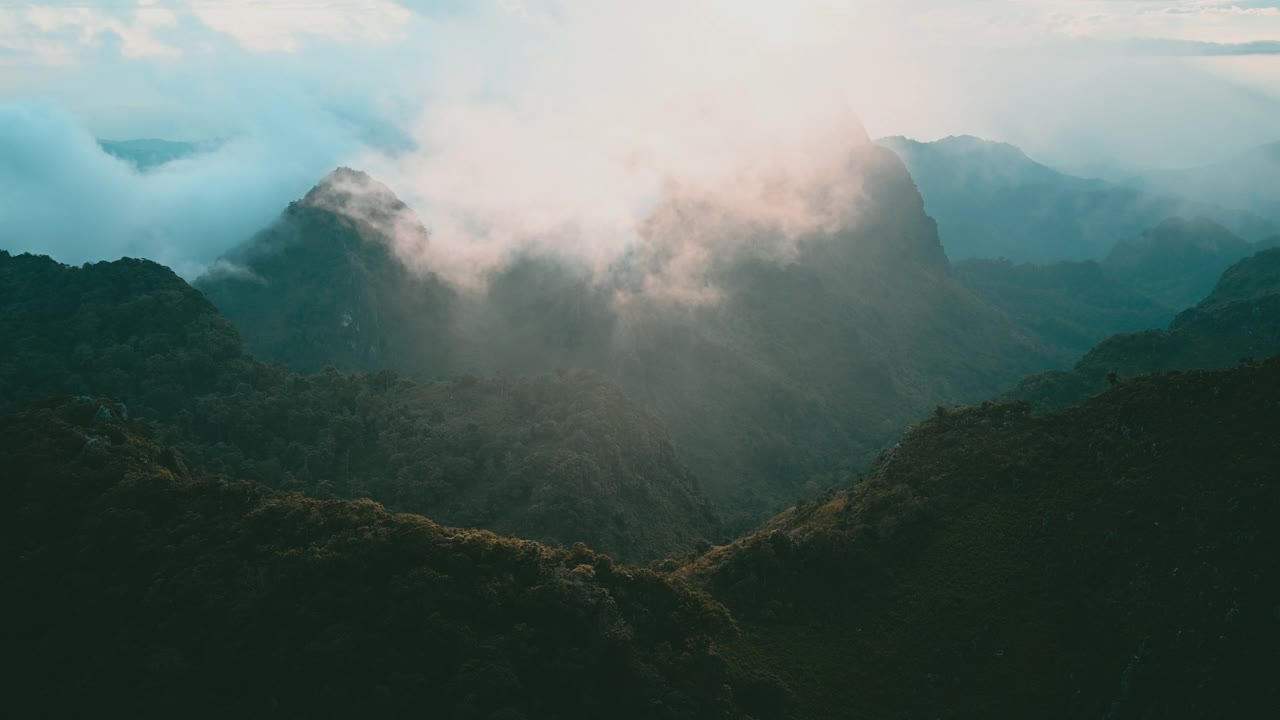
992,201
1239,320
324,288
1070,306
149,153
796,374
561,459
149,589
1248,181
1115,560
1254,278
1178,261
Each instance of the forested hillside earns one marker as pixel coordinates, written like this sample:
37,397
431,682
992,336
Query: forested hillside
148,589
322,289
1114,560
1069,306
1238,321
562,458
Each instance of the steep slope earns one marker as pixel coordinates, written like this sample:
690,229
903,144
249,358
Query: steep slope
1178,261
813,365
992,201
323,287
1116,560
1070,306
146,589
560,459
1239,320
802,366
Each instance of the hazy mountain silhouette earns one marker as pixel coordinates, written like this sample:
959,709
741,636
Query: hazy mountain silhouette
148,153
1248,181
1178,261
992,201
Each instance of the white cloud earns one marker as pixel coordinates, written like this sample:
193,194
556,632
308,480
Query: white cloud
56,34
282,25
61,33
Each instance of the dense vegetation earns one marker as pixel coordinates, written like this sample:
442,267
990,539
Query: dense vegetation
562,459
1070,306
1116,560
800,373
1239,320
992,201
143,588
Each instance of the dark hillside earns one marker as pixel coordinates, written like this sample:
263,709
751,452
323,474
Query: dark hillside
320,288
1116,560
1070,306
1239,320
147,589
560,459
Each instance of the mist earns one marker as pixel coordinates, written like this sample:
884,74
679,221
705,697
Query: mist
588,121
557,127
62,195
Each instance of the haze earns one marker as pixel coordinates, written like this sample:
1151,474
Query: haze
511,124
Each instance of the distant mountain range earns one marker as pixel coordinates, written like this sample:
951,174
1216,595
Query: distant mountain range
992,201
1249,181
150,153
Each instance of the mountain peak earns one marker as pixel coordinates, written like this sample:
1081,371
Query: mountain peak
345,186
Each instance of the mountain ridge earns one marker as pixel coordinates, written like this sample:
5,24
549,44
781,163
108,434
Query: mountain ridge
789,348
1017,208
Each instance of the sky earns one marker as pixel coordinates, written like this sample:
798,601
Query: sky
515,121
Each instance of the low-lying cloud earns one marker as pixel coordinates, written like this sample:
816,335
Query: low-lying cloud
61,194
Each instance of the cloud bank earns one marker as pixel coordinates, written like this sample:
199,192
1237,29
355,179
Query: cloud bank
594,115
62,195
